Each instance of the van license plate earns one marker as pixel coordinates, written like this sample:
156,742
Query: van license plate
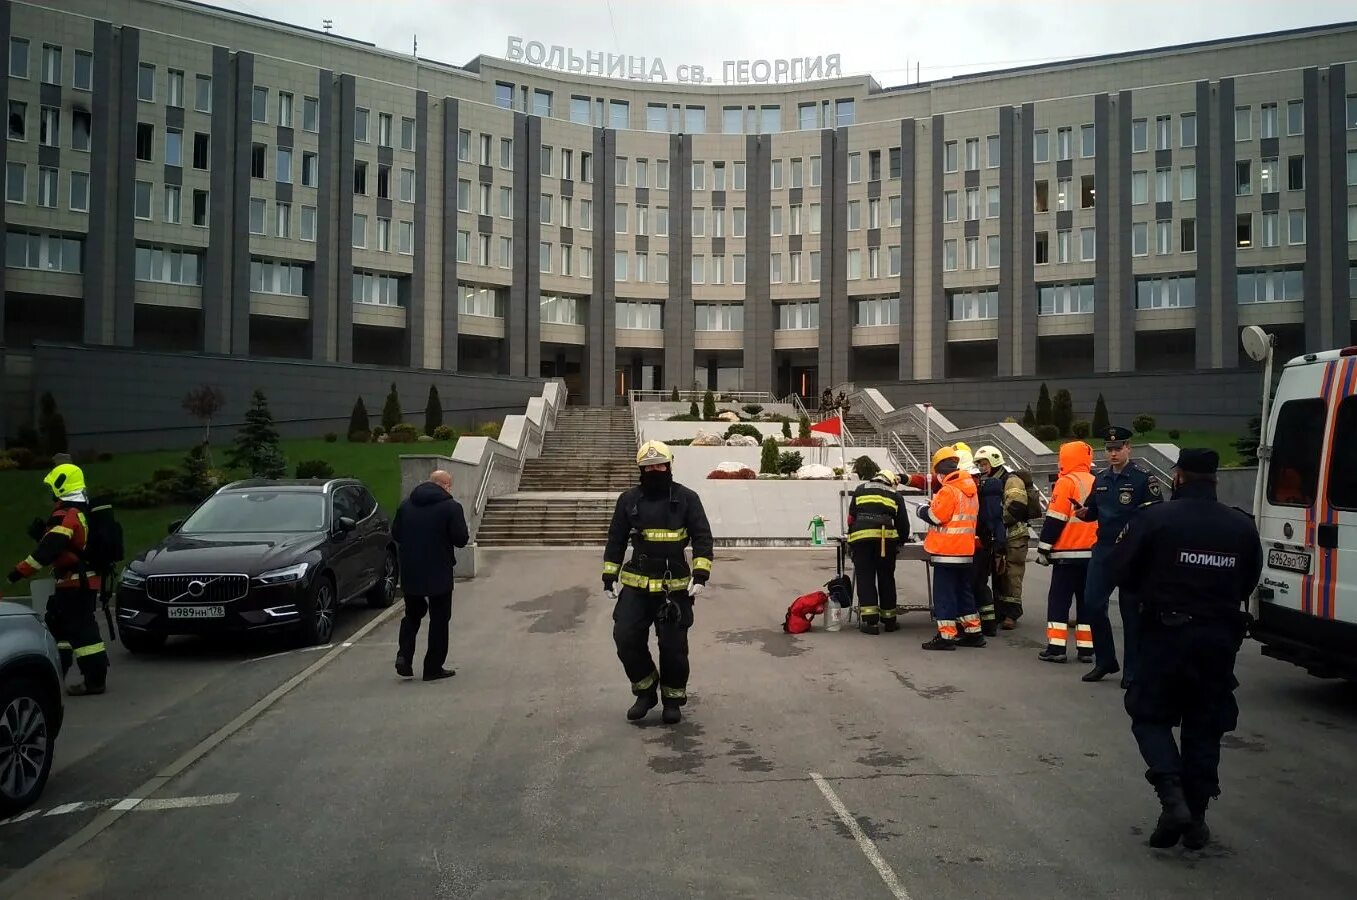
1288,560
196,612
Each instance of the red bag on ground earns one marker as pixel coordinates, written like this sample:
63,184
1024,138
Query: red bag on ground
802,610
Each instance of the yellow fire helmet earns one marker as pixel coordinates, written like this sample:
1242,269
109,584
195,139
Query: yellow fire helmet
64,479
965,459
654,453
990,455
886,477
944,453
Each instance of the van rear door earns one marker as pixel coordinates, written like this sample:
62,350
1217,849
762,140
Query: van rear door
1336,531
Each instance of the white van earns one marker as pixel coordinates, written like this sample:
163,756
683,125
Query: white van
1307,602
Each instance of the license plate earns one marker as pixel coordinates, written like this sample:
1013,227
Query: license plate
1289,560
196,612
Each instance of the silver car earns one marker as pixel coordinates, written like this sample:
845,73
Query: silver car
30,706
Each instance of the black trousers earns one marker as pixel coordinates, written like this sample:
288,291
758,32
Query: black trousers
71,619
875,575
439,608
633,616
1186,680
982,572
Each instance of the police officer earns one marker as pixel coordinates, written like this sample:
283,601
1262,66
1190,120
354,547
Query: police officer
1120,491
62,542
876,519
659,518
1192,563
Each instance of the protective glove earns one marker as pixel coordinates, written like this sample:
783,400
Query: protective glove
1043,557
610,587
696,589
921,510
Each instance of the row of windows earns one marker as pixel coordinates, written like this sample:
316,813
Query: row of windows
52,71
169,265
49,125
560,310
270,276
377,289
49,187
44,252
646,316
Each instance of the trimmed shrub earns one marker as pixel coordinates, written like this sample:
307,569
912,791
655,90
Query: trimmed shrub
403,433
787,428
488,429
165,474
1080,429
331,437
864,467
708,406
803,430
768,459
802,442
753,409
391,410
788,461
1044,411
1029,421
1047,433
1100,421
674,395
358,419
695,416
683,417
104,457
51,425
315,468
1062,412
746,430
377,432
1143,423
444,433
741,475
1174,434
433,411
360,437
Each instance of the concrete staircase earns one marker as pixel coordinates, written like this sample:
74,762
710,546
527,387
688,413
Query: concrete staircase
566,496
861,428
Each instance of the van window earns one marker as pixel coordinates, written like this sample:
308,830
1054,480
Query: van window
1293,476
1342,472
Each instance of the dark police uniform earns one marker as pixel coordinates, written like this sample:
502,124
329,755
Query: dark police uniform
1191,563
1115,499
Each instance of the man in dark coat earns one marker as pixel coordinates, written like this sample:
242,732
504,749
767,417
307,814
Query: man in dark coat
429,524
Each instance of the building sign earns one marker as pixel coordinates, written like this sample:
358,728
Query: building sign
639,68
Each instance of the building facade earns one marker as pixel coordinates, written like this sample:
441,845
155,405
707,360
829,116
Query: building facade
185,179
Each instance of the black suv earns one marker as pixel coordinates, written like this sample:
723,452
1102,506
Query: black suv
261,555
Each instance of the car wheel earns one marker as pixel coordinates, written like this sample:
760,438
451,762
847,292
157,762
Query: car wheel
140,641
318,613
26,743
383,593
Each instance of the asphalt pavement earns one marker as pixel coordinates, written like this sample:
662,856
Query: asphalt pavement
820,765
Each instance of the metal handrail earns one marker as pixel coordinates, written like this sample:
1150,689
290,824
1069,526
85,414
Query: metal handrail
651,396
484,488
900,450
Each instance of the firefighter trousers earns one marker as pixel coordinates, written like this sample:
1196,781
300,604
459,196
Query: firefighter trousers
953,601
633,617
1008,583
71,619
1068,580
875,576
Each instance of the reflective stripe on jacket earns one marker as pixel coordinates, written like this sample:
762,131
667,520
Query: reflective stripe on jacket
1063,536
954,510
874,514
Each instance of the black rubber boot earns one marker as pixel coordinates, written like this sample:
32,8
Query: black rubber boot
1051,655
889,625
1086,658
644,704
972,639
671,714
989,628
85,689
1174,816
869,628
1197,835
939,643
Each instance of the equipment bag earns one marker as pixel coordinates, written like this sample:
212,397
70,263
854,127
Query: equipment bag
840,587
1035,508
803,610
104,540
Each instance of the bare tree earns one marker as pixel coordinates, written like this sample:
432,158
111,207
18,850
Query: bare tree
203,403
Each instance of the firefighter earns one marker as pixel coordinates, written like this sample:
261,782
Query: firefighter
1008,491
659,518
1066,544
71,609
876,519
1120,492
950,545
1192,562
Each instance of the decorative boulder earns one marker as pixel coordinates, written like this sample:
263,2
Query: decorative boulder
729,416
741,440
706,439
816,472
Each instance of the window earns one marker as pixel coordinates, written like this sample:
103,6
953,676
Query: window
775,174
168,265
18,57
814,217
545,208
874,165
1140,140
718,269
657,116
798,172
1243,230
645,316
1268,180
256,215
620,262
1163,237
873,214
1243,123
1140,239
1297,445
273,277
200,210
972,253
854,168
1064,143
1172,292
1243,178
407,186
815,171
1041,248
407,133
1271,285
141,200
506,252
719,317
806,117
695,119
1064,194
894,212
854,265
384,234
854,215
1163,185
1295,117
992,151
1352,168
662,175
1140,188
483,199
47,187
972,154
259,105
18,120
699,176
949,156
175,88
992,251
202,151
775,220
360,125
1088,244
311,115
45,252
145,81
775,268
1088,141
737,176
1295,173
893,260
360,231
546,159
619,114
81,123
949,206
796,316
541,103
1270,230
1267,120
1351,111
80,191
972,204
49,128
146,141
1295,227
815,265
1187,236
718,221
360,177
1062,246
463,247
1187,129
172,206
1187,183
1042,196
377,290
843,112
1041,146
283,165
543,255
504,95
506,200
1087,192
284,109
1065,299
282,220
770,119
966,306
587,215
661,267
949,255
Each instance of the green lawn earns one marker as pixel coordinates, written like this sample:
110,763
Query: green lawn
1220,441
23,495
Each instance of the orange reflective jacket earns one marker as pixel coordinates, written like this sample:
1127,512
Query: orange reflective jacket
1062,535
954,510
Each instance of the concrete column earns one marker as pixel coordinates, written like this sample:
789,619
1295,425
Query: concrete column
324,286
759,318
1013,243
1207,192
907,163
532,309
238,299
1123,287
679,316
602,337
525,255
124,284
1025,355
1225,297
343,136
1103,295
449,213
101,240
414,314
938,294
1335,135
836,315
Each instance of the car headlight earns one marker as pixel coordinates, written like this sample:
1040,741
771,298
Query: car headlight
283,576
131,578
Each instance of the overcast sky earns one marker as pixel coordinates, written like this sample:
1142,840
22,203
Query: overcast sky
884,39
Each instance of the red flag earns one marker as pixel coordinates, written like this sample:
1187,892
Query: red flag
832,426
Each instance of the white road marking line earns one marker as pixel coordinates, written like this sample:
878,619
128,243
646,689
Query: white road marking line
63,809
14,820
869,848
289,653
130,803
156,803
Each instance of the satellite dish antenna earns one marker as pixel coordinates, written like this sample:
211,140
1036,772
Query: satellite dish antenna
1257,342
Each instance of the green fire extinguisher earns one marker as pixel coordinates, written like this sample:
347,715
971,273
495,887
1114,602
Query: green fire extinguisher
817,531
